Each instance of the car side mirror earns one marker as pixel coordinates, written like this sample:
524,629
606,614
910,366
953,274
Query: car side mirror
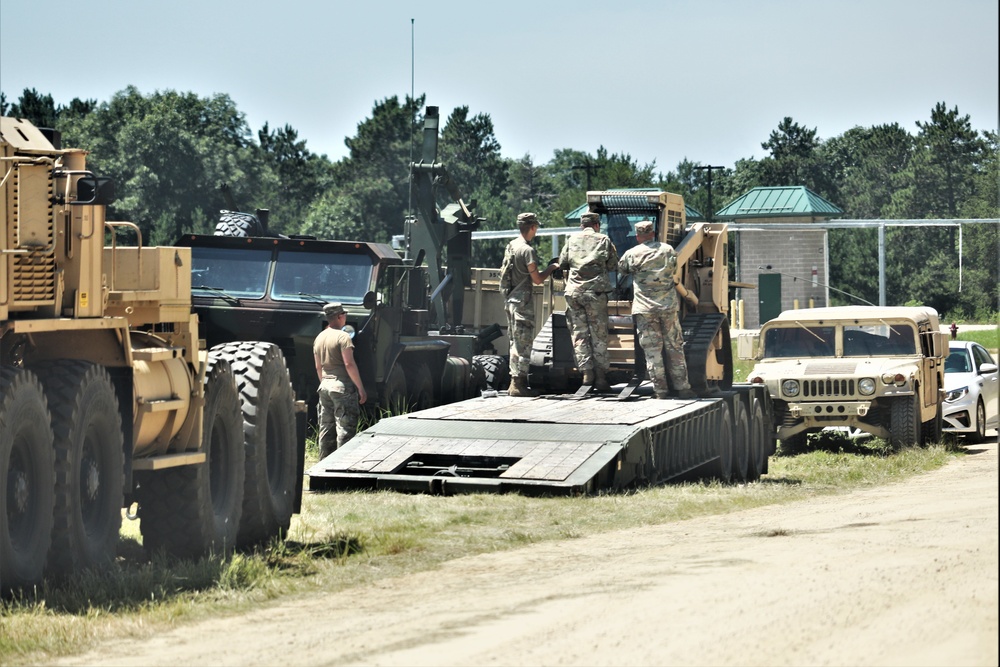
370,300
987,368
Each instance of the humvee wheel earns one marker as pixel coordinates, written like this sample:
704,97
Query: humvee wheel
904,421
27,479
930,431
89,465
269,435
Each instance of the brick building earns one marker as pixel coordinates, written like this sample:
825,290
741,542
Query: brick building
775,249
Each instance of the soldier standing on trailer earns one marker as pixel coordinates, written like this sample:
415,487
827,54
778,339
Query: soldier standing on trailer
655,307
588,257
341,391
518,273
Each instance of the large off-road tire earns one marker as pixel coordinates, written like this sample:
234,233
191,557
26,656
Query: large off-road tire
233,223
193,510
931,430
394,398
759,446
268,405
89,465
741,441
904,421
722,467
979,434
493,370
27,479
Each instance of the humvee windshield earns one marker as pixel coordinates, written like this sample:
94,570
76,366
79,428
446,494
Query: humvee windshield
298,276
874,340
799,342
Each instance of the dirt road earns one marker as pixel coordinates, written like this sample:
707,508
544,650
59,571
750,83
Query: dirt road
904,574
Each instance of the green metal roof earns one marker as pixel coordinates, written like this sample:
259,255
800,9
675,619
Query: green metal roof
782,202
573,217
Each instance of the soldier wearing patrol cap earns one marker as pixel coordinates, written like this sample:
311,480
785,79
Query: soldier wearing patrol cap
518,273
587,258
341,391
655,306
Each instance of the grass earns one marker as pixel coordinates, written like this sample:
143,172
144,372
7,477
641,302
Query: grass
343,540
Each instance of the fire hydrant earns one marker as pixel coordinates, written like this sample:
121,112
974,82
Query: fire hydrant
954,330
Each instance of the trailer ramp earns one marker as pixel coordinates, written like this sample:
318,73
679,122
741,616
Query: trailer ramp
543,445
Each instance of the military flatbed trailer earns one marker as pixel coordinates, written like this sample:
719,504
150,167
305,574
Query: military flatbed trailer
554,445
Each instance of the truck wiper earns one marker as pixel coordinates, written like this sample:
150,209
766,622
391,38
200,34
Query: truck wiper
228,298
313,297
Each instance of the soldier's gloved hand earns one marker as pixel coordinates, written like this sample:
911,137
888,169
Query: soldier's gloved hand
557,272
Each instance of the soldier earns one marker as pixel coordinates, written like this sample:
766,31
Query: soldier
588,256
655,307
341,391
518,273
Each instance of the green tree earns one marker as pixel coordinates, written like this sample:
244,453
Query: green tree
300,177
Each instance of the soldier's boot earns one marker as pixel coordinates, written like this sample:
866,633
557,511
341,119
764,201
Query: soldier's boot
519,387
687,393
662,395
601,380
588,378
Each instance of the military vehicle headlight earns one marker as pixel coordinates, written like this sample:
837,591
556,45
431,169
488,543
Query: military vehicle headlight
790,387
897,379
866,386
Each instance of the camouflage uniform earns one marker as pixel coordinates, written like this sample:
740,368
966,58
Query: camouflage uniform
588,256
655,307
520,309
338,397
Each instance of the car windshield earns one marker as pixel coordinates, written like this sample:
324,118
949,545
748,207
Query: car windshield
958,362
799,342
240,272
313,276
881,339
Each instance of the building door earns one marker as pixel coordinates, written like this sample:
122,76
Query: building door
769,293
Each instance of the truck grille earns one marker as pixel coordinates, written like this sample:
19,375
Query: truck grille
839,388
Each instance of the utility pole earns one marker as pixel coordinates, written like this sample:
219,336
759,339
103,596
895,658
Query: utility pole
590,168
709,170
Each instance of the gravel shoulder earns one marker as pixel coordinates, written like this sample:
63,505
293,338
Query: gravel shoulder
900,574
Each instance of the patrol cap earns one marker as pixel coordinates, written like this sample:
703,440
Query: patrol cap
644,227
527,220
590,219
331,309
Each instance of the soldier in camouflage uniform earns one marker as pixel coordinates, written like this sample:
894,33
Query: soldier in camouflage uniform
341,391
587,257
655,307
518,273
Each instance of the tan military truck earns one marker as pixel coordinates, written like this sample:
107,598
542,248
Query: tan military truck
877,369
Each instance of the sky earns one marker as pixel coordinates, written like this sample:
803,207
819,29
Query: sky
659,80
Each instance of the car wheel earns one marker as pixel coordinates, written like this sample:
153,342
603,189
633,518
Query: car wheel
980,433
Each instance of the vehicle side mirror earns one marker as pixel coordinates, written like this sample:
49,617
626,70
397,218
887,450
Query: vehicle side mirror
987,368
370,300
747,346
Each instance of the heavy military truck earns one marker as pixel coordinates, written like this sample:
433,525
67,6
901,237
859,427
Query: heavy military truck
267,288
561,443
877,369
109,399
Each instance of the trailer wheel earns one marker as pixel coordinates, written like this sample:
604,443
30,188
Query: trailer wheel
722,467
269,436
904,421
741,441
758,440
241,225
192,510
930,431
27,479
494,369
89,465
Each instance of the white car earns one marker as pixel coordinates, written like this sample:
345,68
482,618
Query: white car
971,390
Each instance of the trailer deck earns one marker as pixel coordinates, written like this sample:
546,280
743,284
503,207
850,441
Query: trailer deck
543,445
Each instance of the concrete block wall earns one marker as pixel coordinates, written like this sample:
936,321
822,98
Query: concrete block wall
792,252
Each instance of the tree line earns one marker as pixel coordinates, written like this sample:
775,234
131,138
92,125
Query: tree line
169,152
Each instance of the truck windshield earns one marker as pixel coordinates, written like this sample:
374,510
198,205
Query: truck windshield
878,339
239,272
313,276
799,342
